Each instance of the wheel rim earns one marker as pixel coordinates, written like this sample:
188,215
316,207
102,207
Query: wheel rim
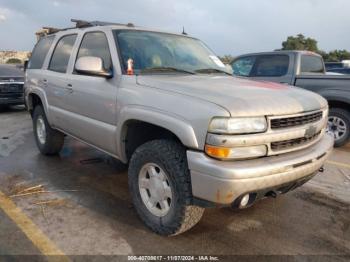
337,127
155,189
41,130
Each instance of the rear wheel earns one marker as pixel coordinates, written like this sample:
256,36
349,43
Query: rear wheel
160,185
48,140
339,126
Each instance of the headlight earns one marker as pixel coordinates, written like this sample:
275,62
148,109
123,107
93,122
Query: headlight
325,113
241,125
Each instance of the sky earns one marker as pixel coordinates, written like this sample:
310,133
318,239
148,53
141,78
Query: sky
227,26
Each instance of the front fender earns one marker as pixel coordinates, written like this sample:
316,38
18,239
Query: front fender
41,94
174,123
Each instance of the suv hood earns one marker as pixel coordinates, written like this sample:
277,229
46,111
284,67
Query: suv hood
241,97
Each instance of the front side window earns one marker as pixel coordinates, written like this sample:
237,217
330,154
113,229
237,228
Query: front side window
39,52
271,66
60,57
243,66
311,64
154,52
96,44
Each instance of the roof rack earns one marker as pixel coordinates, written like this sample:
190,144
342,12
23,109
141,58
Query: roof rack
78,24
83,23
46,31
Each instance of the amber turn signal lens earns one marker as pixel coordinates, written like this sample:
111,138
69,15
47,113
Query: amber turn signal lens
217,152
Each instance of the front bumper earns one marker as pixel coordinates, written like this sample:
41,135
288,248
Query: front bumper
12,99
223,182
11,93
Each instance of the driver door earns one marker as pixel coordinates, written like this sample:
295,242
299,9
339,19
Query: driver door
92,100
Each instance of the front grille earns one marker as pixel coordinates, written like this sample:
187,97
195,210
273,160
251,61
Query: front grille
295,120
296,142
4,96
11,88
11,79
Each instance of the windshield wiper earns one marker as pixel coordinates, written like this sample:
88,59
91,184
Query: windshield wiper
165,69
211,71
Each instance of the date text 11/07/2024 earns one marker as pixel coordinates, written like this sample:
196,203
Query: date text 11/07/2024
173,258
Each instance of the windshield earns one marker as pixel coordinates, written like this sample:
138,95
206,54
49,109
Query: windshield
154,52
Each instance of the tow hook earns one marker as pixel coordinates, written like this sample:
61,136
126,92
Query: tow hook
321,169
272,194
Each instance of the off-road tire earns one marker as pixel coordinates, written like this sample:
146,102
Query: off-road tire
345,116
54,139
171,157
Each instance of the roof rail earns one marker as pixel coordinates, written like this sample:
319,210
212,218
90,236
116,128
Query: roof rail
46,31
78,24
83,23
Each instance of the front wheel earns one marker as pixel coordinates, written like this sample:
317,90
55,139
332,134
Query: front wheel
339,126
160,184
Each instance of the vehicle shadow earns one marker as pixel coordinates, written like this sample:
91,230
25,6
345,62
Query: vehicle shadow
11,109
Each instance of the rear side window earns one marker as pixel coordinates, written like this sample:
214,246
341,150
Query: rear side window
96,44
341,70
39,52
243,66
61,54
311,64
271,65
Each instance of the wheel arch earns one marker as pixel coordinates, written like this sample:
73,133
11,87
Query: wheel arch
335,103
151,124
34,99
337,98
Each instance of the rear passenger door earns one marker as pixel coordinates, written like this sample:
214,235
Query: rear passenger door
56,80
92,99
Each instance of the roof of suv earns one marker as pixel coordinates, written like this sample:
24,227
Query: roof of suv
305,52
85,25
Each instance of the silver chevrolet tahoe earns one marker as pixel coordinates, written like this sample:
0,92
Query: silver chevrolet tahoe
193,135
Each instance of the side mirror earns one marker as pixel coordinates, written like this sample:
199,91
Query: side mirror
93,66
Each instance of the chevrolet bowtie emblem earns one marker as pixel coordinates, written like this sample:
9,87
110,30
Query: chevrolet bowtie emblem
310,131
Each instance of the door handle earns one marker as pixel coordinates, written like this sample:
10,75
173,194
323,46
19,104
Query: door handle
69,88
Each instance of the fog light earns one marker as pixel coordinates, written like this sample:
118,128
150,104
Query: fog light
244,200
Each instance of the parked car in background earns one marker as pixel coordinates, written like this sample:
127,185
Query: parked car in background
193,135
306,70
336,65
344,71
11,85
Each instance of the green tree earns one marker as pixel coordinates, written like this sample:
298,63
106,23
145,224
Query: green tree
14,61
336,55
300,42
